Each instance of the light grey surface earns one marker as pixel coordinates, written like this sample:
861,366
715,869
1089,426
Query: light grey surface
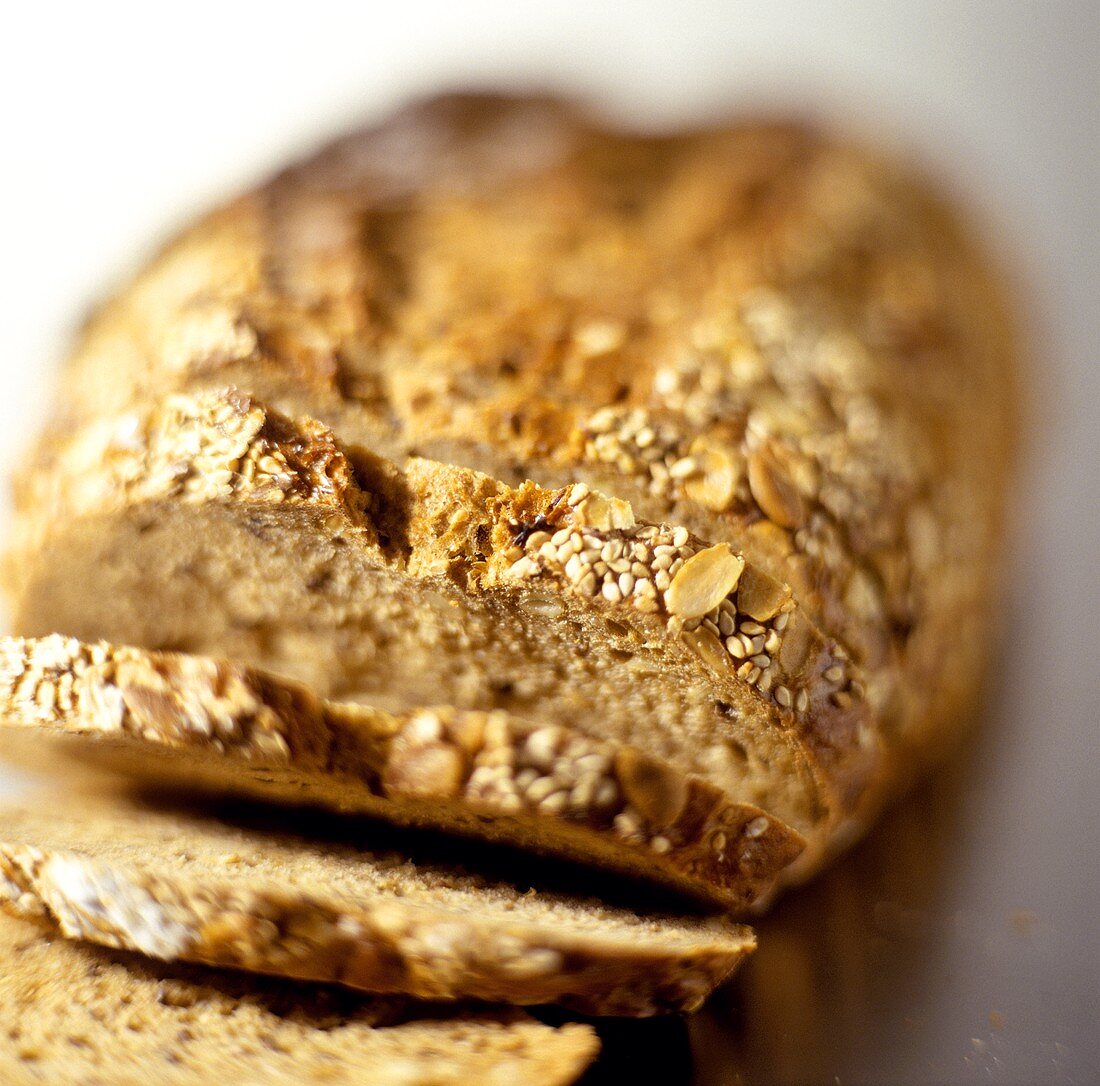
121,120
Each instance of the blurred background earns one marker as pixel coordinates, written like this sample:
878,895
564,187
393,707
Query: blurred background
961,942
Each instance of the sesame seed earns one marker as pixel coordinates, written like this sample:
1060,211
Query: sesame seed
611,592
835,673
523,568
542,788
802,702
627,824
783,696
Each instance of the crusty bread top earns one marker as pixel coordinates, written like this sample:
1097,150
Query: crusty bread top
84,1016
251,732
185,885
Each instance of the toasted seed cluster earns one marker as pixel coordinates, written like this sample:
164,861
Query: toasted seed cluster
559,772
54,678
766,411
199,447
707,470
729,618
213,446
551,770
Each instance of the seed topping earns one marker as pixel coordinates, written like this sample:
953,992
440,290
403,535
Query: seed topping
704,581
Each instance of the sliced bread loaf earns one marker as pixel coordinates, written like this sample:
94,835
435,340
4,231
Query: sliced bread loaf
180,885
202,722
212,523
763,333
85,1016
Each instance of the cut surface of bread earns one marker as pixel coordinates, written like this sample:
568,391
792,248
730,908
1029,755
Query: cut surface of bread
85,1016
762,334
213,523
180,885
203,722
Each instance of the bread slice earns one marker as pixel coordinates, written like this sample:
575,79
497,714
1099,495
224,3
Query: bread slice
209,723
184,885
77,1014
211,523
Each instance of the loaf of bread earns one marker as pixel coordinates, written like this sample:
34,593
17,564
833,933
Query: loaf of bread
253,894
760,378
73,1013
216,726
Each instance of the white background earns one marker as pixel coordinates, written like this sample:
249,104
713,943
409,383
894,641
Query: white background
119,121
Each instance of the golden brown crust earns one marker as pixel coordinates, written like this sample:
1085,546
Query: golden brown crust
547,788
78,1013
770,337
182,887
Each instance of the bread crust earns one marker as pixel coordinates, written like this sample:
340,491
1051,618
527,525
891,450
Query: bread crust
199,721
182,887
762,333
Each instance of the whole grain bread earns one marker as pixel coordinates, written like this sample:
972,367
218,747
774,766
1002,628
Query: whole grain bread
185,885
766,335
214,724
84,1016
